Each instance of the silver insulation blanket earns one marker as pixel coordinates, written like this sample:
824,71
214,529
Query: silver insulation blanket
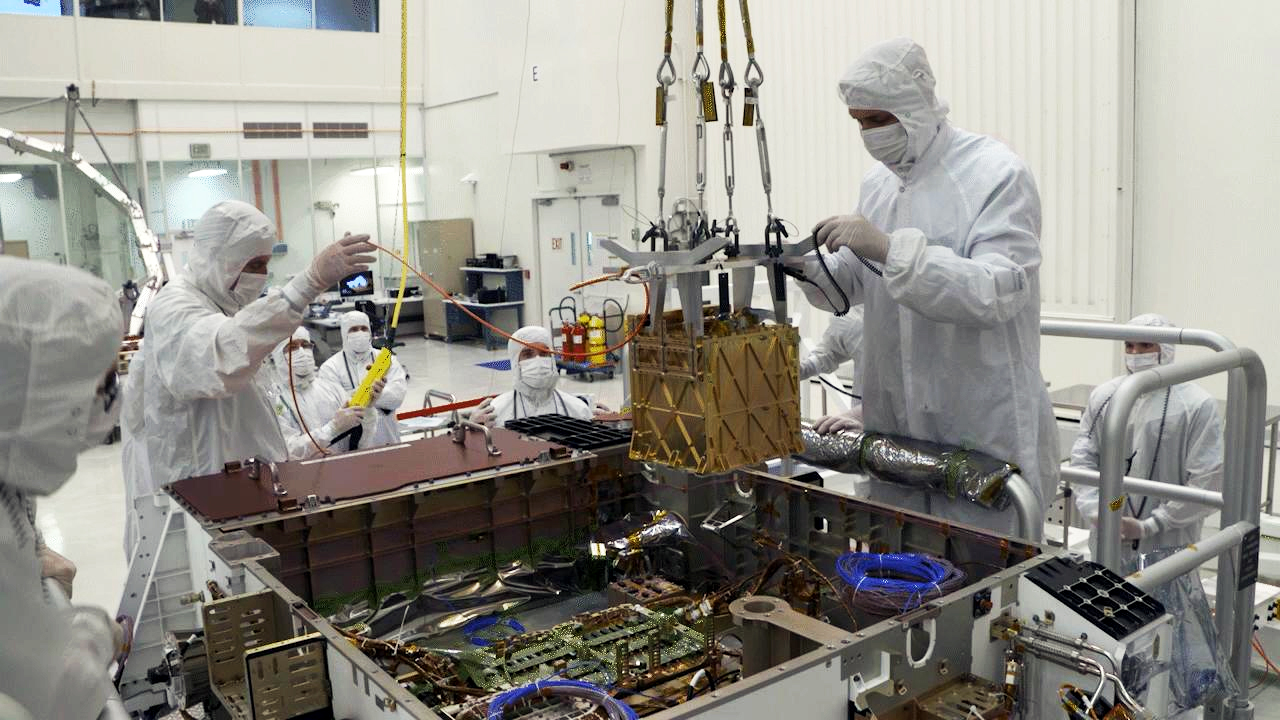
929,466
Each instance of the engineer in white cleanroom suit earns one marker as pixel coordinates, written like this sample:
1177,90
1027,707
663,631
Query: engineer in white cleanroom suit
839,344
59,335
1175,436
535,390
952,329
321,403
207,333
347,369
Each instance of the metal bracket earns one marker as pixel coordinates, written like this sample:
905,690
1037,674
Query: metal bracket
773,633
459,434
714,525
863,684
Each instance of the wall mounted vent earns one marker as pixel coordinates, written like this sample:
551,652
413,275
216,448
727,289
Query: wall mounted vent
272,130
340,130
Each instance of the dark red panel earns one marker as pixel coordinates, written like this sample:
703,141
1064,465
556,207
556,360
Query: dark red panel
226,496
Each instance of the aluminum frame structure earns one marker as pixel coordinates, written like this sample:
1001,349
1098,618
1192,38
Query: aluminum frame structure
1241,500
814,666
65,154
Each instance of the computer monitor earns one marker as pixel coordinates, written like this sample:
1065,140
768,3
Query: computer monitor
357,284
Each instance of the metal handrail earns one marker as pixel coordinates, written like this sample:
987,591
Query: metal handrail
1232,447
1191,557
439,395
1242,462
1027,506
1151,488
1144,333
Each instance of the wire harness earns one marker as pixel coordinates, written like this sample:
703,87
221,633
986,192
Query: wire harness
885,584
613,707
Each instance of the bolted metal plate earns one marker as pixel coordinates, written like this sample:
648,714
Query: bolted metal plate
288,679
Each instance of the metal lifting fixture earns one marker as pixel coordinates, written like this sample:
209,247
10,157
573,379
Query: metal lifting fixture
666,76
727,85
65,154
706,103
775,227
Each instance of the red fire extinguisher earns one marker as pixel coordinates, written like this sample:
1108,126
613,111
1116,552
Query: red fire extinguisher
579,341
566,339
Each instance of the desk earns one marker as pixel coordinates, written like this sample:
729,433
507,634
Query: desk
379,300
1076,398
486,310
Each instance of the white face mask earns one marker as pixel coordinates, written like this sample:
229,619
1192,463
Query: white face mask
539,373
304,365
887,144
1141,361
359,342
248,287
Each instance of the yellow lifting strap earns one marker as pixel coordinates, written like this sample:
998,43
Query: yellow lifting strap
724,38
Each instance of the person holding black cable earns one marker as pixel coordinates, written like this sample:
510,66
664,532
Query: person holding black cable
943,252
839,344
1175,437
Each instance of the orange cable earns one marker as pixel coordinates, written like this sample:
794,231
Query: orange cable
445,294
1257,645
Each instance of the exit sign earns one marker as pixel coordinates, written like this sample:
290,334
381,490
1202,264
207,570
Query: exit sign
200,151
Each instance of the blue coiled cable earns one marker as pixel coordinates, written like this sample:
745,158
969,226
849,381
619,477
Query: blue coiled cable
615,708
893,583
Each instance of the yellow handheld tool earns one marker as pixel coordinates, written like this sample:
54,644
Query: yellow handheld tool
363,395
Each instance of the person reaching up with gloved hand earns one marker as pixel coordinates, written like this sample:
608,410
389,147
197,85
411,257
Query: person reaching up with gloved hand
207,333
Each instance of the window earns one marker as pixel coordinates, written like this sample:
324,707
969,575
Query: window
390,219
209,12
352,15
281,190
355,15
279,13
193,186
30,215
36,7
122,9
99,236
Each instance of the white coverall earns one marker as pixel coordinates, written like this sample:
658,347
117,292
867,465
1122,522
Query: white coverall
347,370
203,406
59,335
526,401
840,343
1180,445
319,400
952,328
133,451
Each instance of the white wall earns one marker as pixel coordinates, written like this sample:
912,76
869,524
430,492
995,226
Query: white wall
130,59
1207,156
500,125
